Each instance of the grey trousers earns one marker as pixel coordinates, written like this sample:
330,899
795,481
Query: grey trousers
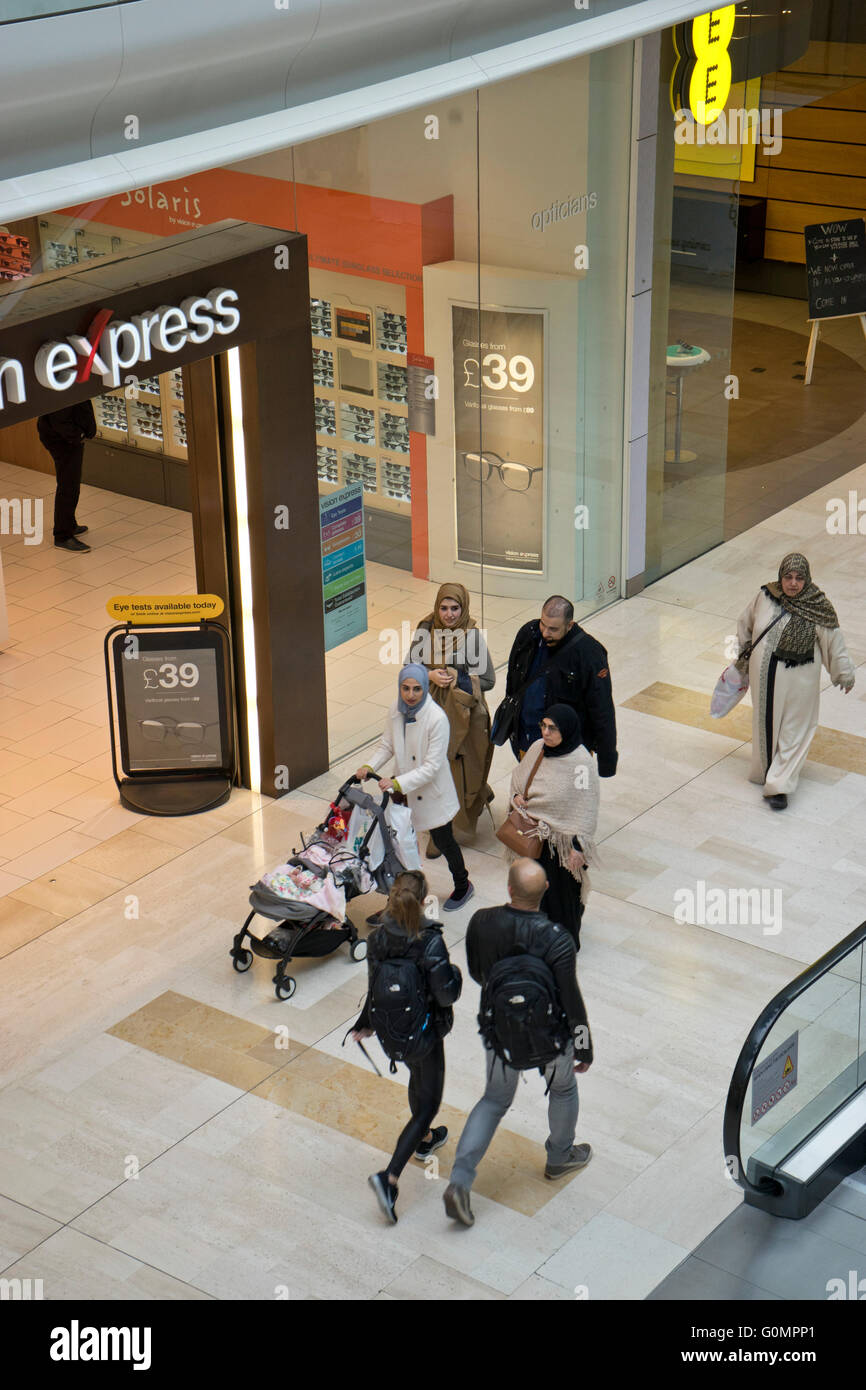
483,1120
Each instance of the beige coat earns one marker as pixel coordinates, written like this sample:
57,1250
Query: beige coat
780,742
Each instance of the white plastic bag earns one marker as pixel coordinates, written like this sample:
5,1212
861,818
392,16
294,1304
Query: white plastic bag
359,823
730,689
399,819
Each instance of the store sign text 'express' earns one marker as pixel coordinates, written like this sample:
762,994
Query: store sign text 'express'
113,347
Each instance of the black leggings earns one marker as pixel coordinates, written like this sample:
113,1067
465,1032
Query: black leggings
426,1083
443,839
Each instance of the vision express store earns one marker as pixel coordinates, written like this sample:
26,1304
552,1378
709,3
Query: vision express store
225,313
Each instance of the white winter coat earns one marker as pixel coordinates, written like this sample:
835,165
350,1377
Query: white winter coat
420,754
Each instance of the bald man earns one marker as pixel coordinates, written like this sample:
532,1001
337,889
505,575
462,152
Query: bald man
494,934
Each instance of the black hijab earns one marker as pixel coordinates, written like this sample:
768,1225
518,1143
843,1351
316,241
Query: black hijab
567,722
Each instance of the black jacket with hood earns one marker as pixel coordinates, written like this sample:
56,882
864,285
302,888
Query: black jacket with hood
428,949
576,674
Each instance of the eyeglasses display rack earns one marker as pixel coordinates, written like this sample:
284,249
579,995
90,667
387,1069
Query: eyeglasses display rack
147,415
360,385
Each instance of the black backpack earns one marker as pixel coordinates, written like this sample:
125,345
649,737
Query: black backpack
521,1017
400,1010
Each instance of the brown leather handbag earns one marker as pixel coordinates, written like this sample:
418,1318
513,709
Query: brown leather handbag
518,832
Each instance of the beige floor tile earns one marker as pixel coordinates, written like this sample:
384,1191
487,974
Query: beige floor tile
427,1280
68,889
19,922
111,1275
42,859
22,1230
127,856
9,882
33,831
60,736
51,796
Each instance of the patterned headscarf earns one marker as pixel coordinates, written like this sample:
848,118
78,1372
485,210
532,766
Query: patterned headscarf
811,607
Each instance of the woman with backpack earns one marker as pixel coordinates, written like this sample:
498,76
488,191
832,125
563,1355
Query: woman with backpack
412,987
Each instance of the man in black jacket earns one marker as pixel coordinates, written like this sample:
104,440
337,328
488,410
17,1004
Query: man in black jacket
553,661
63,433
493,934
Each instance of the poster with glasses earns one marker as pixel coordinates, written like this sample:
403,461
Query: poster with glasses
171,702
499,436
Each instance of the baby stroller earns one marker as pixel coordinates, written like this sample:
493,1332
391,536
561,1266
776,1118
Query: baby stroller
305,929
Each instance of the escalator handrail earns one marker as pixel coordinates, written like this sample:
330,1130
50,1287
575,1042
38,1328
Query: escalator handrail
739,1087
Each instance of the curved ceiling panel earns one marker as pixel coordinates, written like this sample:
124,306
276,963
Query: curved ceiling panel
215,81
191,64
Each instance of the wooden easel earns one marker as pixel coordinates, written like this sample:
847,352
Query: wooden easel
816,333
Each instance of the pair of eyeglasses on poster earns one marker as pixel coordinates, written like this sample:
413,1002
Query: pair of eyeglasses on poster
158,730
517,477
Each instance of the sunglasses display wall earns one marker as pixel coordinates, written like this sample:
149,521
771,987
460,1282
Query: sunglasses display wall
375,435
147,414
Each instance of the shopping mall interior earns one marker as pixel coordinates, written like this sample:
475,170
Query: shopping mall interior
173,1131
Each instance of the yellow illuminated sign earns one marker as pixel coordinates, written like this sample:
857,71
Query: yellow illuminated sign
703,71
164,608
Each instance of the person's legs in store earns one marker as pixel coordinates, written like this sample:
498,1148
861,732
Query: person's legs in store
67,467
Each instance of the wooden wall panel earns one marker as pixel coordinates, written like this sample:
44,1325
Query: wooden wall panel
20,444
808,156
824,123
793,217
795,186
834,59
785,246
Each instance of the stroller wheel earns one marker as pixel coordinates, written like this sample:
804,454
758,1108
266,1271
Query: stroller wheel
286,988
242,961
358,950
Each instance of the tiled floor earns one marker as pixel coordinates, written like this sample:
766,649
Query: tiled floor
170,1171
752,1256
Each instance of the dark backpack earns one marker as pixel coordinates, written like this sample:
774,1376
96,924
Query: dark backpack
521,1017
400,1010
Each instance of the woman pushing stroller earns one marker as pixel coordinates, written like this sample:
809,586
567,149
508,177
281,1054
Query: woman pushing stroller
415,739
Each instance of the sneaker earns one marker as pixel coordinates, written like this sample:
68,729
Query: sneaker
386,1195
71,544
779,802
578,1158
456,1201
426,1147
458,899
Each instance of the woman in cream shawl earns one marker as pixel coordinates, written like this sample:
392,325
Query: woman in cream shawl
799,633
453,649
563,799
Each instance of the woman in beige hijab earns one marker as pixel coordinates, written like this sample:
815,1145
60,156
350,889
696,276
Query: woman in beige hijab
795,631
453,649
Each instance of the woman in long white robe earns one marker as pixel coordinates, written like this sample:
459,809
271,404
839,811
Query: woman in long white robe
786,681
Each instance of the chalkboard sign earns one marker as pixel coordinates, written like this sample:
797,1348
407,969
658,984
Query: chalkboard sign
836,267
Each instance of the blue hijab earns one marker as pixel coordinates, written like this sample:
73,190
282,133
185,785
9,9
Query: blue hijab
418,673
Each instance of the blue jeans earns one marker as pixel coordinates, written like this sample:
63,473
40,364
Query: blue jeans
484,1119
